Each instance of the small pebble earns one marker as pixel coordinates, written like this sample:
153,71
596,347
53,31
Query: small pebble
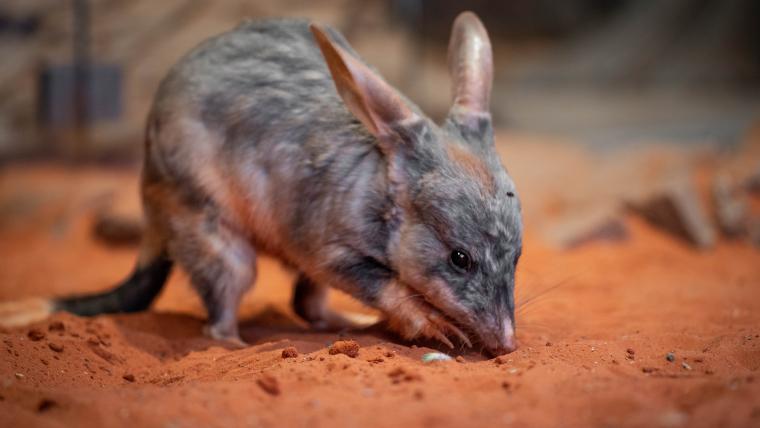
20,376
460,359
630,351
57,347
129,377
435,356
685,365
670,357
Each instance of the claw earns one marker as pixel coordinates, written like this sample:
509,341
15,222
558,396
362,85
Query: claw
440,336
463,337
442,322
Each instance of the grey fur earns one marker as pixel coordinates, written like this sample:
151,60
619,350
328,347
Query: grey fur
250,148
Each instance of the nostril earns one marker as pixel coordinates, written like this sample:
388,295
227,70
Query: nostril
506,345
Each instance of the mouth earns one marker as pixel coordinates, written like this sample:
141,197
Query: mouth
497,338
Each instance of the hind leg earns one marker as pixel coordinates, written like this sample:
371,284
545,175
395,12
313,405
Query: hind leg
310,303
221,266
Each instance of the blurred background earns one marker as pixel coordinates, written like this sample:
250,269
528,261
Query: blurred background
600,71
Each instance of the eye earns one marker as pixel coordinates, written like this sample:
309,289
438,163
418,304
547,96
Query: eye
461,260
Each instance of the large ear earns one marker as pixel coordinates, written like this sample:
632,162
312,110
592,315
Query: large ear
470,66
374,102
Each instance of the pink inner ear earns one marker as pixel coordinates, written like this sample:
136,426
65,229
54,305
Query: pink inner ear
375,103
470,64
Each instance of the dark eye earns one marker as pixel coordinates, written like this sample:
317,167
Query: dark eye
461,260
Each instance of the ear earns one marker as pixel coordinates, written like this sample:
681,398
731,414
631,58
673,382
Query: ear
471,69
369,98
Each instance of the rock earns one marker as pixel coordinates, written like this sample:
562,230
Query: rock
670,357
117,230
56,347
435,356
730,209
677,209
129,377
580,228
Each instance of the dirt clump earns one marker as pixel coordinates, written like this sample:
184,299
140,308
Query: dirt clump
56,326
290,352
269,384
346,347
400,374
35,335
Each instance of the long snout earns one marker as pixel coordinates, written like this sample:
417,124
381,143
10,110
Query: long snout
504,339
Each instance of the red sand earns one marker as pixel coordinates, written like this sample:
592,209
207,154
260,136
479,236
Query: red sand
592,351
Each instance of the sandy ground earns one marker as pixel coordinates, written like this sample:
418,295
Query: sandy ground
592,350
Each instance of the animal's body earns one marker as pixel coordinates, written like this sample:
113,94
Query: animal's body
249,148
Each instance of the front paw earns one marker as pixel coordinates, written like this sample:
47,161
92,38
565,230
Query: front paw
412,317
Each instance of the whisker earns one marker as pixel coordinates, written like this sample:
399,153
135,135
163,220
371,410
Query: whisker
533,304
547,290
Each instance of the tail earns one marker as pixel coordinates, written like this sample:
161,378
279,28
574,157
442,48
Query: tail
134,294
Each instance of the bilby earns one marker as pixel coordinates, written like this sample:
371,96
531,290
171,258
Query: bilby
277,138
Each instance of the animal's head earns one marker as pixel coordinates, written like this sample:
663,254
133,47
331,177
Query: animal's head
460,232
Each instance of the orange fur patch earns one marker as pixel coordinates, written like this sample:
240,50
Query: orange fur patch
472,165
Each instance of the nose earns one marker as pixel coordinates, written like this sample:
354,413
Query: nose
506,341
506,345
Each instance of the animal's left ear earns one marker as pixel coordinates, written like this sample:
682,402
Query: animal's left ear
471,68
